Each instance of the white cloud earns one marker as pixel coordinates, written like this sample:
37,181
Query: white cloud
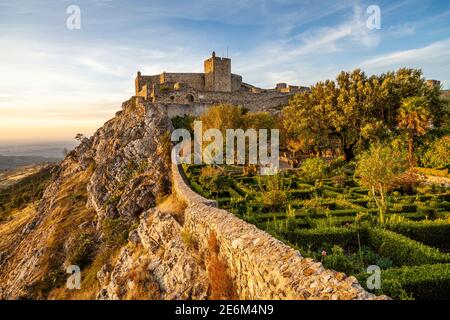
433,59
298,55
438,53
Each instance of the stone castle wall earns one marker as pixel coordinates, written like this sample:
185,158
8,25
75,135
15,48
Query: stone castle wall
178,104
195,80
236,82
261,266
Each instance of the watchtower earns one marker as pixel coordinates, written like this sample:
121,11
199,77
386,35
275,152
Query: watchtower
217,74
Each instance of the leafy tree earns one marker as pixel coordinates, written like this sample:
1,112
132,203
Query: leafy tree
183,122
314,168
380,169
414,117
259,120
438,154
354,111
222,117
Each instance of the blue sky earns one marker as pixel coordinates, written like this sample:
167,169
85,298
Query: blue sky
55,82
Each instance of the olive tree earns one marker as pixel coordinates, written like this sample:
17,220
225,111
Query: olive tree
380,169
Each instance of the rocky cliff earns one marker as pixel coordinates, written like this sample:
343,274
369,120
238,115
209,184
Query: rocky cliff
102,190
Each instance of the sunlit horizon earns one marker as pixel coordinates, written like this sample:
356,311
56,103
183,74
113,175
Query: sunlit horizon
57,82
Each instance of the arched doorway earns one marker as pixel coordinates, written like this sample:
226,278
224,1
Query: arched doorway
190,98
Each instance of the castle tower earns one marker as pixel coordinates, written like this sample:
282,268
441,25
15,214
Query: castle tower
434,83
217,74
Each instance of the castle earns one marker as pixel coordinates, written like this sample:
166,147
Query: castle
192,93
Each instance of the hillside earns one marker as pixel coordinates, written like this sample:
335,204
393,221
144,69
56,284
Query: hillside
94,197
12,162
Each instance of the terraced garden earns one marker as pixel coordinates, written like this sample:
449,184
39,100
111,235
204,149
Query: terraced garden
336,221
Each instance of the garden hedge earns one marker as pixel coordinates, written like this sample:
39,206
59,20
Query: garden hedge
316,238
403,250
425,282
430,233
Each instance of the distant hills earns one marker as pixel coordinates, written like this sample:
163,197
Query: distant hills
12,162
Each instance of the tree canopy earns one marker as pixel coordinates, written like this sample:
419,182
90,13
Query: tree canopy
348,114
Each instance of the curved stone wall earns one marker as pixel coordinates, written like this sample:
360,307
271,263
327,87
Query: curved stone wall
261,266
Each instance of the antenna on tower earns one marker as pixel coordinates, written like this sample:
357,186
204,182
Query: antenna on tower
227,51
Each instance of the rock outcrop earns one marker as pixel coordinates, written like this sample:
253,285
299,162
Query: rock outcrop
130,154
156,265
118,173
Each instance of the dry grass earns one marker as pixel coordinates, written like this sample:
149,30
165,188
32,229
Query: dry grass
89,282
221,284
188,239
10,229
144,286
173,206
68,212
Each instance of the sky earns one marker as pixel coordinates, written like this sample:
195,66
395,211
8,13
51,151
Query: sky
56,82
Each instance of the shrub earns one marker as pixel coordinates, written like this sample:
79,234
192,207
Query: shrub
408,208
299,194
81,251
339,180
274,199
188,239
221,285
337,260
424,282
407,182
445,205
322,237
183,122
314,168
115,231
214,179
402,250
438,154
198,189
435,234
433,172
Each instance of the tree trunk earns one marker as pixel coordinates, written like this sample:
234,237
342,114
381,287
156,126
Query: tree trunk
411,149
347,149
348,153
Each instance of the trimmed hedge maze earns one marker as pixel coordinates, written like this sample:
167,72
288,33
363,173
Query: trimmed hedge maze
335,221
